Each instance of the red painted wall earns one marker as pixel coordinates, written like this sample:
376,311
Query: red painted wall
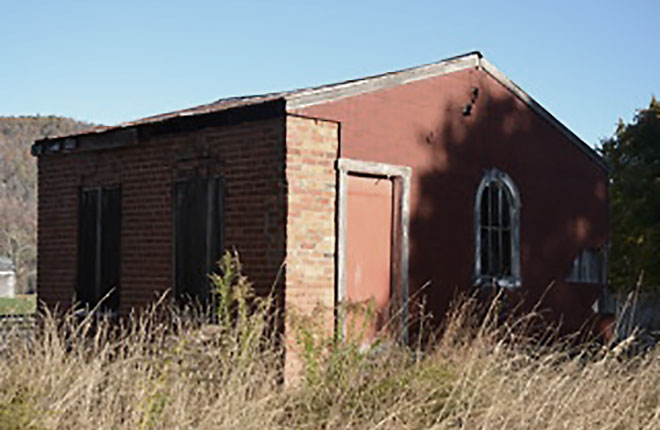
563,192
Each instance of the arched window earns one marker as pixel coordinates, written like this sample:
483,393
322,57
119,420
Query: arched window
497,231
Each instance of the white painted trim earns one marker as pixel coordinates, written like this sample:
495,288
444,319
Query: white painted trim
329,93
515,280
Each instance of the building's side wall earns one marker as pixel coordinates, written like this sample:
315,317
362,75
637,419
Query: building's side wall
311,152
250,158
422,125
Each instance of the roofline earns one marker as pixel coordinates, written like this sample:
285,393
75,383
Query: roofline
194,111
302,98
500,77
294,98
334,92
330,93
130,134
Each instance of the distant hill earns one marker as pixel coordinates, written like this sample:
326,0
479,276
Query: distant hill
18,188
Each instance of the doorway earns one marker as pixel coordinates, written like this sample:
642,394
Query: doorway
372,291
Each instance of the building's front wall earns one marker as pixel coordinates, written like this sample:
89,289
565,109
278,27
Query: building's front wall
422,125
311,151
312,148
248,156
280,194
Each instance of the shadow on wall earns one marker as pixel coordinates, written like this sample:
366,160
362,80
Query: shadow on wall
563,197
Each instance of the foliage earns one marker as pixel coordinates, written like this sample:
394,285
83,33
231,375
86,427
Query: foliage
243,318
633,154
169,367
18,188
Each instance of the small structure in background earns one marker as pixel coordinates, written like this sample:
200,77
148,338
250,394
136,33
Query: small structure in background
7,278
634,314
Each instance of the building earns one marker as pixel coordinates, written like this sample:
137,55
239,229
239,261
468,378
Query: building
445,176
7,278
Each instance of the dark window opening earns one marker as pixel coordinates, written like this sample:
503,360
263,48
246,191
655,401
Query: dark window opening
99,247
198,236
497,244
496,228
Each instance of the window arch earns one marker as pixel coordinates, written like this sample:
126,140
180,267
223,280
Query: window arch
497,231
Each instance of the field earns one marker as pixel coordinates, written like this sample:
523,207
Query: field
19,305
169,370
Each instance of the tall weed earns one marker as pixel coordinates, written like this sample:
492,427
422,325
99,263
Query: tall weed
168,368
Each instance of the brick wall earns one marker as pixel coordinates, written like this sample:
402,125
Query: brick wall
249,156
311,152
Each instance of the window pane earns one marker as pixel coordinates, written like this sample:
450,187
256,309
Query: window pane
494,205
494,256
497,228
484,251
506,209
484,206
506,252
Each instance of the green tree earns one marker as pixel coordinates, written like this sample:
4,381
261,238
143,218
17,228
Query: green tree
633,154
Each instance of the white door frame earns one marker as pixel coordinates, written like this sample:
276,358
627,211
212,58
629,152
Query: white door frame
400,176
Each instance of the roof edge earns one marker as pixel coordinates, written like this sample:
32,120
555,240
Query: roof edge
127,134
329,93
227,104
500,77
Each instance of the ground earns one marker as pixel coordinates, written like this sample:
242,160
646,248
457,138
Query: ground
20,305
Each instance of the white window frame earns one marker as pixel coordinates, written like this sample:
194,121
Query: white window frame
589,267
514,280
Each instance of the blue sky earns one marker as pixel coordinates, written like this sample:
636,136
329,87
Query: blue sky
588,62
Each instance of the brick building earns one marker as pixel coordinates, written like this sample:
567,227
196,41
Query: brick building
446,176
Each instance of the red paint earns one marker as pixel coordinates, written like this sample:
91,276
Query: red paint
279,201
420,124
368,251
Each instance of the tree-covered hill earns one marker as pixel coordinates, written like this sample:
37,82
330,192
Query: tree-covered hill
18,188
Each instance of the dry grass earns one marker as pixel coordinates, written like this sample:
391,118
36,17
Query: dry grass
168,370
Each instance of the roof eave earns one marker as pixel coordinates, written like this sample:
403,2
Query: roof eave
132,133
330,93
542,112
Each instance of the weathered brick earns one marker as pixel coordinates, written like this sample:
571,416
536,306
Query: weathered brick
250,157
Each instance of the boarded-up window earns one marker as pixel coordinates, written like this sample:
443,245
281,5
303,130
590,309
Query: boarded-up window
588,267
198,235
99,247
